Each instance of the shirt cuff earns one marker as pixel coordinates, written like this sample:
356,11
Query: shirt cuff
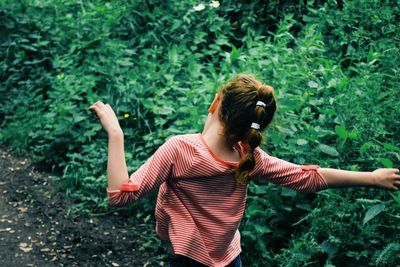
128,186
309,167
314,168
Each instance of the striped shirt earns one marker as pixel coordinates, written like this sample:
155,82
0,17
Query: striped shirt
199,204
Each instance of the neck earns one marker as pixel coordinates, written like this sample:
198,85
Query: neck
213,134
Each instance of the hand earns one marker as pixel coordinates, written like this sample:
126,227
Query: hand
387,178
107,117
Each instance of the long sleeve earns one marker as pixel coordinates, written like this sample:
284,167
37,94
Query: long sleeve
283,173
151,174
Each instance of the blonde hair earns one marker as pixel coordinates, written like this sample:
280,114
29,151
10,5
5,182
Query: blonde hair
239,110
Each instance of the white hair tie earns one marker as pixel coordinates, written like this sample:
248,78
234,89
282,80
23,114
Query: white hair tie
260,103
255,126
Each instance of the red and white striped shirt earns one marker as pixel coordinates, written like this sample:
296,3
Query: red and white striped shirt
200,205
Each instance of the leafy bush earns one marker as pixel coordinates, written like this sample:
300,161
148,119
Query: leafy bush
336,82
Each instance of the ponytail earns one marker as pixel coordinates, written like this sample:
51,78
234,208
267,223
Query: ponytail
263,114
247,107
248,162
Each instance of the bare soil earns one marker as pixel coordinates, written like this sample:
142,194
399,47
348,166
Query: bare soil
36,231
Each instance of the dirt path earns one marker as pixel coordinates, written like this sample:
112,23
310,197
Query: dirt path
34,229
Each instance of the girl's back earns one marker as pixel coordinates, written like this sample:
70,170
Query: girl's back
200,204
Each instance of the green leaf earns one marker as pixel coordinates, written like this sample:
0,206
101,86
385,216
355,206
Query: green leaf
312,84
261,229
303,206
353,134
341,131
125,62
302,142
373,212
173,56
365,147
249,234
284,130
234,54
390,147
386,162
328,150
254,210
396,197
166,110
287,192
258,189
330,248
78,118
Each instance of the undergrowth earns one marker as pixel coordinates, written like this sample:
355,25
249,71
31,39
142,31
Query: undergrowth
334,66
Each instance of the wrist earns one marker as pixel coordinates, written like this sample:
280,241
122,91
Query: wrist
373,179
116,133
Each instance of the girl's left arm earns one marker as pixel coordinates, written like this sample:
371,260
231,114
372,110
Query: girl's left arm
312,178
117,171
383,178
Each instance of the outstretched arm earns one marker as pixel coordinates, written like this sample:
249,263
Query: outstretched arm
384,178
312,178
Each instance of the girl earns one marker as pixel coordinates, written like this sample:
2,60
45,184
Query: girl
203,177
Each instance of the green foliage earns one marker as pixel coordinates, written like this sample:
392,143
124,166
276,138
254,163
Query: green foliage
334,66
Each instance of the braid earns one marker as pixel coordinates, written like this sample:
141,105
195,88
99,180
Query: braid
263,114
253,138
240,107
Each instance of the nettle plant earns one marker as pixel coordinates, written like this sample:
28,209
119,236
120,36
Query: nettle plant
158,64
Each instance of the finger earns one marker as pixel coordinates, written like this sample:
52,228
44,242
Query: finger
97,103
95,110
110,108
396,185
98,110
101,106
92,107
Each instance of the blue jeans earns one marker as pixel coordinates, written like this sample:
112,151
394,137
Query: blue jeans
182,261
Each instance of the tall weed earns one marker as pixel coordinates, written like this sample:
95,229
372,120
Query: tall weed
159,64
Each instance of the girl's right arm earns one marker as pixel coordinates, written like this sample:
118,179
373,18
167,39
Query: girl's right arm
150,175
117,172
122,188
